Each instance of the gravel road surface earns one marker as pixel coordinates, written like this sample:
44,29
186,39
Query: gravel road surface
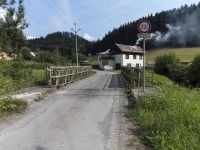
85,115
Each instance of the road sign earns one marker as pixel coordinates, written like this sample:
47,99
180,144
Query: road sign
144,35
144,26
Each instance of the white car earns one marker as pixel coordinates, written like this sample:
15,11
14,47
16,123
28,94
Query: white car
107,67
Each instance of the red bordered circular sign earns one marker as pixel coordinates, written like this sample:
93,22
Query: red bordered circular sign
144,26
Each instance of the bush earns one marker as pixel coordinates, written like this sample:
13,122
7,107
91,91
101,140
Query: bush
26,53
170,66
14,75
10,106
165,62
53,57
18,70
192,76
81,57
176,73
6,85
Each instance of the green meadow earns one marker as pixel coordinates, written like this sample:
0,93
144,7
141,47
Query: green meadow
184,54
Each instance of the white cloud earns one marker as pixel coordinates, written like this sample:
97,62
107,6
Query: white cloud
29,37
88,37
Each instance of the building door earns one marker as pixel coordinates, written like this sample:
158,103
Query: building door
117,66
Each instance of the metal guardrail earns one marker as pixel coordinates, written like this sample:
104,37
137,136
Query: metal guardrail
59,76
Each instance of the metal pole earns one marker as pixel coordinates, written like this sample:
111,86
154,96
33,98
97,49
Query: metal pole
75,32
143,64
76,48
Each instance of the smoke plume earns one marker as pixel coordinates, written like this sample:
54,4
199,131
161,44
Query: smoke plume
182,33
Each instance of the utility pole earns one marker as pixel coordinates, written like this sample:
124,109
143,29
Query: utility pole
75,32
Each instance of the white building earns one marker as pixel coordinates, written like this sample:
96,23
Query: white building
121,55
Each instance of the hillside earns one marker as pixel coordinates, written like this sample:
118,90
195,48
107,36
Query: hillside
172,28
63,41
184,54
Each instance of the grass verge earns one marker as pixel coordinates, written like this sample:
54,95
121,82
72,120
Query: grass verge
171,119
9,106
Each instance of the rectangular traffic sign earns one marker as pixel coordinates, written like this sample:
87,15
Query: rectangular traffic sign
144,35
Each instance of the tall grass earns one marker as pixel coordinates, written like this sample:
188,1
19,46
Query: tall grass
171,119
39,76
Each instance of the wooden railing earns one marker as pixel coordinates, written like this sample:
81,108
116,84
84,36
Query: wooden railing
134,78
59,76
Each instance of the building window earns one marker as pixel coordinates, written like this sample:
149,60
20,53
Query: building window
129,65
117,66
134,56
140,57
127,56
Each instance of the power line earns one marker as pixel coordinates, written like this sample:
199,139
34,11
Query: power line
111,14
112,4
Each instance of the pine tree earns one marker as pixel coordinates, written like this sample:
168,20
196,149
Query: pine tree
12,26
5,3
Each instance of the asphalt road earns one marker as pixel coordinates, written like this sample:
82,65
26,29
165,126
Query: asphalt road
85,115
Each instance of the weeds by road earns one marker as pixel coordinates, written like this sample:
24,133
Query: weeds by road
16,75
171,119
9,106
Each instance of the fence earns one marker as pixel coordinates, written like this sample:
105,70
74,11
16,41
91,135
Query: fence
58,76
133,76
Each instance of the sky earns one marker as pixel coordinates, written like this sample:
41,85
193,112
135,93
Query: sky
95,18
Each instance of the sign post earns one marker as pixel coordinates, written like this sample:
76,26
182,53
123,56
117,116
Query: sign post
144,27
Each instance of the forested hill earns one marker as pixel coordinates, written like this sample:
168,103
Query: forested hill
173,28
63,41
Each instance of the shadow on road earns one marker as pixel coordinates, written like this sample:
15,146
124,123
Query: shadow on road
116,81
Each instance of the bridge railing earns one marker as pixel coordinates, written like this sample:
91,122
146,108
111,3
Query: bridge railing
59,76
134,76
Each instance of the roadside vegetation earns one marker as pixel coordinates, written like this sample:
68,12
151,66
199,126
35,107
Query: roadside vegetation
188,75
25,71
9,106
169,120
16,75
